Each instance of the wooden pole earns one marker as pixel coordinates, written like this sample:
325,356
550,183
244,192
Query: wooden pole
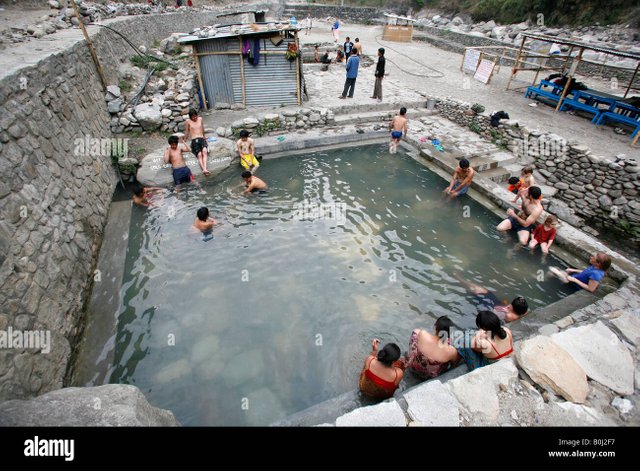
566,60
196,60
515,67
572,71
635,139
633,77
295,39
244,96
92,50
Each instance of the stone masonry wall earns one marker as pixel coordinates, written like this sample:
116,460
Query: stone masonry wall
355,14
602,191
55,196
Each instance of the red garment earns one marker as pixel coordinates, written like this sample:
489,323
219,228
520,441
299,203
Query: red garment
504,354
543,236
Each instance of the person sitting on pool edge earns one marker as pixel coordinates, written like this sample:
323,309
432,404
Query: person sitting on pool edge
203,222
246,150
461,180
491,343
488,300
522,223
382,371
430,354
588,278
254,184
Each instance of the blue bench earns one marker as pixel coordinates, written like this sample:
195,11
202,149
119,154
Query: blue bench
554,93
633,122
575,103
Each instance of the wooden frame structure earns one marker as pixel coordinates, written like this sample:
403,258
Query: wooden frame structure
569,62
398,29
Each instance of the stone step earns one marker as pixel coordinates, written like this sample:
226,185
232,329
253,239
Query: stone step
375,116
497,174
384,106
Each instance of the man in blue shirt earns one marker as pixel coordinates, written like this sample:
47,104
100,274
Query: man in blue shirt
352,72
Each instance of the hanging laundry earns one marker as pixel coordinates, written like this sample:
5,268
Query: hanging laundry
256,52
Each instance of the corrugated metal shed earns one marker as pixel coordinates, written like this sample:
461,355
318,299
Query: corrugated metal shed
227,76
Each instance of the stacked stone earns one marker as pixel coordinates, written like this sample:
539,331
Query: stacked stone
601,190
54,198
288,120
164,107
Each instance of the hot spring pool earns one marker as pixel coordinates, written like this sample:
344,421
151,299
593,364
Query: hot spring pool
275,313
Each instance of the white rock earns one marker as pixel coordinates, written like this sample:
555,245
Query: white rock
385,414
166,112
629,324
601,355
148,115
432,404
623,405
477,391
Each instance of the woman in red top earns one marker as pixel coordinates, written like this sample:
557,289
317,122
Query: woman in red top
382,372
544,235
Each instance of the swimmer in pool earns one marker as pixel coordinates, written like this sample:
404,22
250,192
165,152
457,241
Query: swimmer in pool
203,222
254,184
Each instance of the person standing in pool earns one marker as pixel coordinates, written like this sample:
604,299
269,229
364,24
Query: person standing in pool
203,222
173,154
246,151
461,180
398,126
254,184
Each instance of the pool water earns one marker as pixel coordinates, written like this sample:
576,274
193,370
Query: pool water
277,310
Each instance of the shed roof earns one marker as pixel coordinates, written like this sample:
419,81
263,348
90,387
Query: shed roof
232,31
578,44
404,18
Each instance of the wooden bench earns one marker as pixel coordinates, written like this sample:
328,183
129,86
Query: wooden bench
633,122
575,103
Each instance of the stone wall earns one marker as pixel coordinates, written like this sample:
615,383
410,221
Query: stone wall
363,15
55,190
602,191
456,41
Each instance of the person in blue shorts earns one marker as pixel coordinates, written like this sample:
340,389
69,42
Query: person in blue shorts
173,153
398,127
588,278
461,180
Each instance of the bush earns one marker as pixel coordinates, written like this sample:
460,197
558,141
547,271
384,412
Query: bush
477,108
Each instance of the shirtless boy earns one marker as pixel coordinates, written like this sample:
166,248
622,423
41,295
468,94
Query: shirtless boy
194,128
173,154
141,194
461,180
246,150
254,184
204,222
523,222
398,127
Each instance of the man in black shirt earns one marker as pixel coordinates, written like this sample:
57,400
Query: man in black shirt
348,45
377,89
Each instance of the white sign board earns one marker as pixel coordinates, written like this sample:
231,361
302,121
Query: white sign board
484,70
470,63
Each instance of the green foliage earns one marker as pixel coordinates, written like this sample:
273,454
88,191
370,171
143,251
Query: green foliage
627,227
145,62
475,127
125,85
554,12
477,108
